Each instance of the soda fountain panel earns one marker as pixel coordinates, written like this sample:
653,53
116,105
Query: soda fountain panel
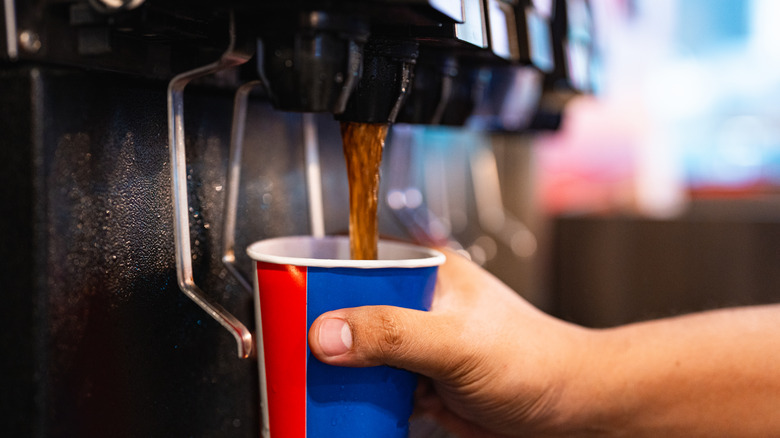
100,339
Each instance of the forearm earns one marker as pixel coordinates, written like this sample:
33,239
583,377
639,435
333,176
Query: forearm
709,374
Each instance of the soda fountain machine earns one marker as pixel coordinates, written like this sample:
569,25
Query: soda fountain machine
146,143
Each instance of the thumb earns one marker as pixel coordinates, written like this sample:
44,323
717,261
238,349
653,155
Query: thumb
384,335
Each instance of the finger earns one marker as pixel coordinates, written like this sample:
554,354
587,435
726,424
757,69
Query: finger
457,425
418,341
429,404
424,395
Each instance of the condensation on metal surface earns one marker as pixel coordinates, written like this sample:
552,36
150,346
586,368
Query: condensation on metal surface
127,354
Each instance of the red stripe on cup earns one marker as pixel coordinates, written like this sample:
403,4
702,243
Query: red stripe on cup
283,313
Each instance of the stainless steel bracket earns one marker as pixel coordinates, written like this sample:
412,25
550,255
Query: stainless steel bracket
11,38
313,175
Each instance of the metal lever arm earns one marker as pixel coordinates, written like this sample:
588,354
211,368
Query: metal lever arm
313,180
233,176
229,59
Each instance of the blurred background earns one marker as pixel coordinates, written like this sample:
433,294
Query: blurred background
659,193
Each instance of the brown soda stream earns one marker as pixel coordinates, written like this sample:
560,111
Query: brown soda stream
363,144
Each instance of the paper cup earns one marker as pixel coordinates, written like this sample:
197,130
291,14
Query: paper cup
299,278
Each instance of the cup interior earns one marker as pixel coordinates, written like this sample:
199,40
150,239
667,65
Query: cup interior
334,252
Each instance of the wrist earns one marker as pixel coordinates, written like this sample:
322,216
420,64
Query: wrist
590,404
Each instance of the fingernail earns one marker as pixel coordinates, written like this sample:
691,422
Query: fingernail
335,338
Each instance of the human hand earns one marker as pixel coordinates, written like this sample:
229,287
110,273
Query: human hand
496,365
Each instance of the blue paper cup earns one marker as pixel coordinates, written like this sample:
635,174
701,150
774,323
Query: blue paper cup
299,278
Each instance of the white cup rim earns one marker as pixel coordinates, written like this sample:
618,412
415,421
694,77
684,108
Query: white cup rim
308,251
